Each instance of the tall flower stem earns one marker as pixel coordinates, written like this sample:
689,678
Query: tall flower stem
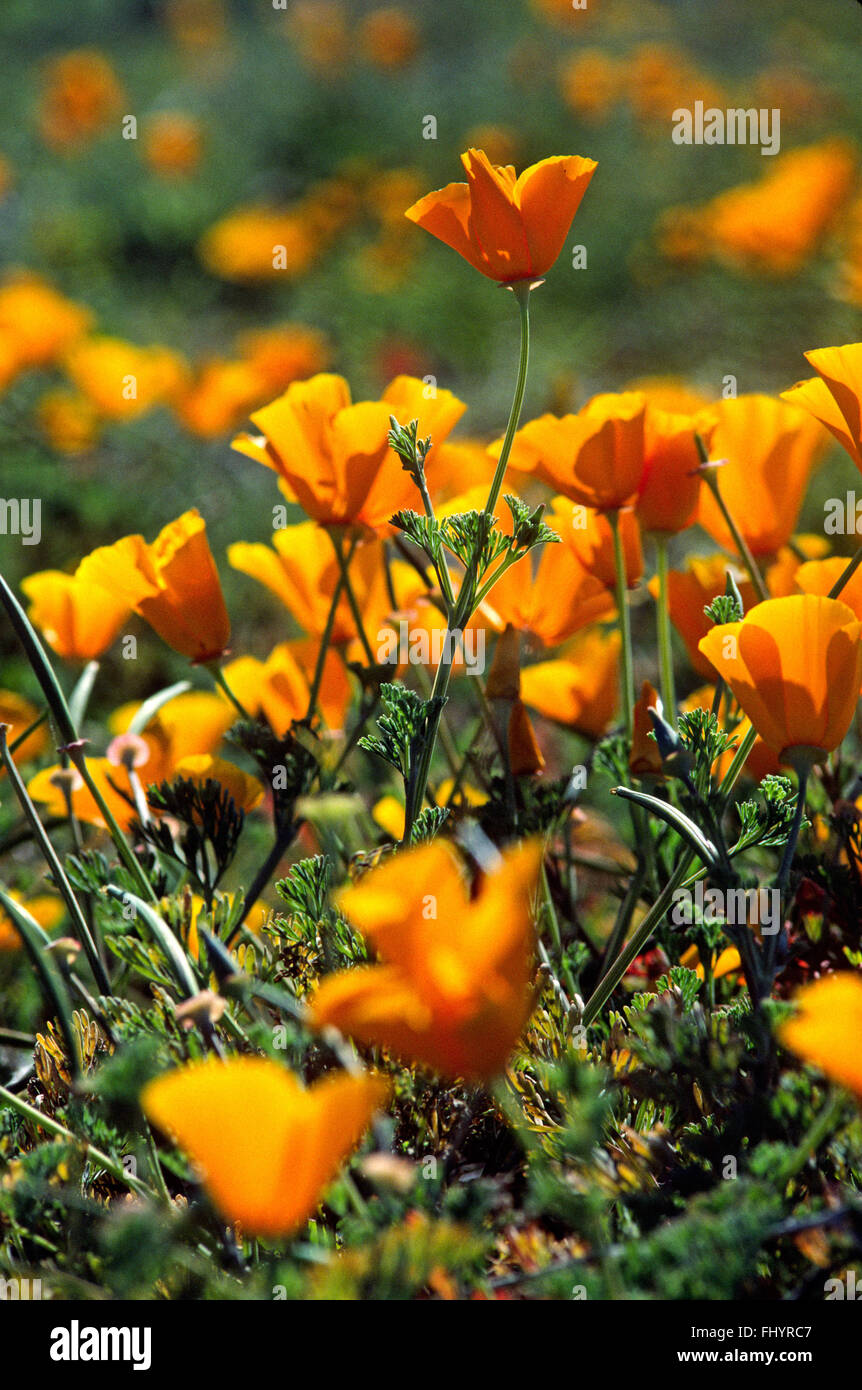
665,644
351,597
463,608
627,679
521,292
846,574
220,679
612,976
711,479
326,636
58,873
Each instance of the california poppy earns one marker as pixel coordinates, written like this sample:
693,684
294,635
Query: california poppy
453,991
595,458
820,577
265,1146
795,666
78,619
300,568
827,1026
579,688
689,592
669,490
768,449
334,455
834,396
173,583
508,227
19,714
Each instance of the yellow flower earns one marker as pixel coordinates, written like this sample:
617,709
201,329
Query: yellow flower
173,583
266,1148
39,323
123,381
172,144
453,991
334,455
795,666
43,908
826,1030
245,791
19,714
79,619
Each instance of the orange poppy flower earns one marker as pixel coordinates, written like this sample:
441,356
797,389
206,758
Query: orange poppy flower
453,992
266,1148
334,456
79,619
47,788
244,790
44,909
69,422
820,576
173,583
39,323
595,458
173,143
827,1026
588,534
510,228
726,962
123,381
220,397
769,450
80,97
284,353
670,484
795,666
834,396
389,37
19,714
580,688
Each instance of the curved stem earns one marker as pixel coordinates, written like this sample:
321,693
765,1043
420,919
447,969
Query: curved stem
665,642
521,292
627,669
738,539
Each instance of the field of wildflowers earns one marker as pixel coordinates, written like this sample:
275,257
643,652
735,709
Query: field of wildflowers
431,627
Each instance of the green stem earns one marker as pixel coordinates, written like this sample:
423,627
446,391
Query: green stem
739,540
790,846
522,295
76,754
627,669
846,574
665,643
609,981
220,679
615,972
58,873
326,637
457,618
44,1122
351,597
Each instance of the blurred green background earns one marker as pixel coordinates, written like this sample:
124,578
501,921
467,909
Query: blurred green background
287,98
